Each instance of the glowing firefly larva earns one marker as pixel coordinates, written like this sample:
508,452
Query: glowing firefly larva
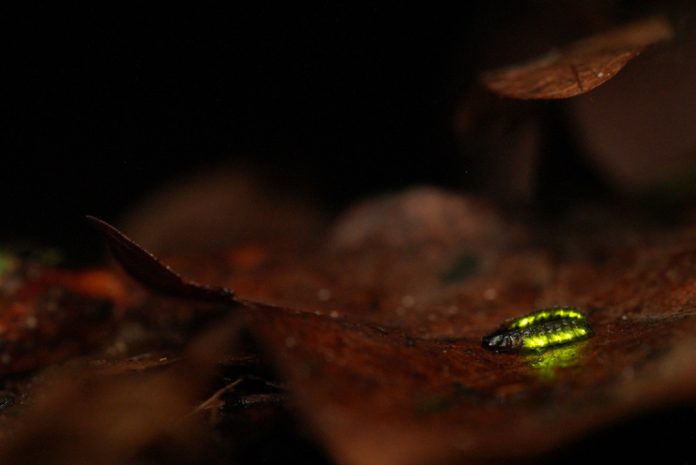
539,331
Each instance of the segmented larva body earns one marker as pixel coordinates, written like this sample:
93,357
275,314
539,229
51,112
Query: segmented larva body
539,331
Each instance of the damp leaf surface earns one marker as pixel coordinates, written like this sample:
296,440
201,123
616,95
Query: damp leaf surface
382,349
376,347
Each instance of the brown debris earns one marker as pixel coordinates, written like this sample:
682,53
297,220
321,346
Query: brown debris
77,415
48,315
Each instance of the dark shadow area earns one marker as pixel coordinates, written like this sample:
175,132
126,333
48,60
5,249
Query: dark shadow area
663,436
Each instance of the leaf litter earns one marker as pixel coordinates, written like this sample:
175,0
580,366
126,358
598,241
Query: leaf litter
379,348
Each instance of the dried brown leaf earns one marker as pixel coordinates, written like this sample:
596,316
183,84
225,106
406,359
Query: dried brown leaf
145,267
580,67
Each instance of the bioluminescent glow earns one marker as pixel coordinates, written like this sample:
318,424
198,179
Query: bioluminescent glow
539,331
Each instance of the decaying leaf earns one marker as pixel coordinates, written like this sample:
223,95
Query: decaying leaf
579,67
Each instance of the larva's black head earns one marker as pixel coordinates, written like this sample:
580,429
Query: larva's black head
499,342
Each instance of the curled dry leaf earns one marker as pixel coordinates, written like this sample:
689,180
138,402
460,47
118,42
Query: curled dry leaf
382,347
579,67
146,268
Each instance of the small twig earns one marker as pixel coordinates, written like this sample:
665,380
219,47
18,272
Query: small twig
214,399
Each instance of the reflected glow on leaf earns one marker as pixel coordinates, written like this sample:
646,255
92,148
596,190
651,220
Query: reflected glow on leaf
546,364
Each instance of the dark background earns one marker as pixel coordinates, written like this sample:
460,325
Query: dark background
104,106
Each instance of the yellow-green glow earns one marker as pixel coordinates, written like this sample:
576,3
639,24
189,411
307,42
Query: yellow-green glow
547,364
545,315
8,262
540,331
537,342
544,340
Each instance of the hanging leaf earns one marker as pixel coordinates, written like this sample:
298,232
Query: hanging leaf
579,67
